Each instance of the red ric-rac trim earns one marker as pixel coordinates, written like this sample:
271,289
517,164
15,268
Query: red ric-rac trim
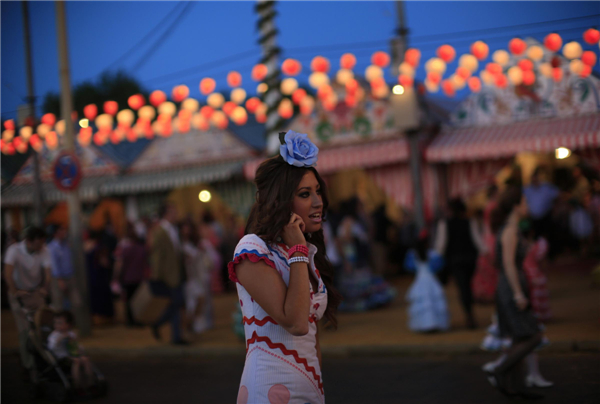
290,352
251,257
260,323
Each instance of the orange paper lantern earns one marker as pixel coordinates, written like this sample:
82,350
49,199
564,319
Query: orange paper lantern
252,104
298,96
285,109
49,119
180,93
9,124
412,56
591,36
405,81
324,91
320,64
206,111
463,72
474,84
380,59
557,74
586,70
291,67
501,81
553,42
494,68
528,77
352,85
448,88
228,107
207,85
525,64
157,97
434,77
234,79
347,61
259,72
480,50
136,101
517,46
446,53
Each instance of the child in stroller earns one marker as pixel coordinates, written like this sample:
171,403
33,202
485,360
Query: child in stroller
48,379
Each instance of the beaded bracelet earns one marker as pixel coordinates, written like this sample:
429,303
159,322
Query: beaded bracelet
298,259
302,249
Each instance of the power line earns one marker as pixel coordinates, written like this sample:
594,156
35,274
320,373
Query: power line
150,33
162,38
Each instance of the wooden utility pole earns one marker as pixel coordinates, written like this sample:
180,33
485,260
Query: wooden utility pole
81,306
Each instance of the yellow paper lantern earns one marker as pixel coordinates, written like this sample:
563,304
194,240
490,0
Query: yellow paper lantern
103,121
126,117
501,57
200,122
238,95
43,129
61,126
343,76
8,135
190,104
572,50
317,79
406,70
261,109
262,88
307,105
289,85
431,86
546,70
487,77
436,65
25,132
167,108
576,66
286,108
515,75
215,100
239,115
469,62
535,53
458,82
372,72
218,119
147,112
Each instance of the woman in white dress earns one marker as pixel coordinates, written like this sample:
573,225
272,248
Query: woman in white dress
284,282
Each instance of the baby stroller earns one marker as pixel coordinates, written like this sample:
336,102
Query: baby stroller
48,379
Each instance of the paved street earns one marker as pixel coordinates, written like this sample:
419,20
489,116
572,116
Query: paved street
361,380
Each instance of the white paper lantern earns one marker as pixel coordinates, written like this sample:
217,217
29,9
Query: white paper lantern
501,57
372,72
238,95
218,118
262,88
458,82
431,87
469,62
307,105
126,117
546,70
147,112
102,121
487,77
406,70
436,65
289,85
199,121
572,50
317,79
535,53
215,100
190,104
343,76
167,108
515,75
43,129
239,115
61,126
25,132
576,66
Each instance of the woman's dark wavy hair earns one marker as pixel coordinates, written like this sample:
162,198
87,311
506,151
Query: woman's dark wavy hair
277,182
510,198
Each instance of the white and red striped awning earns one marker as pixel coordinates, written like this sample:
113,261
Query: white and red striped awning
543,135
365,155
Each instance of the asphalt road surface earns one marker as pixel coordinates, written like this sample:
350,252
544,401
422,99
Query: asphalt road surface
348,380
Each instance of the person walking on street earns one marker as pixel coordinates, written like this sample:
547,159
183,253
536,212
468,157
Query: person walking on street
27,275
167,274
64,291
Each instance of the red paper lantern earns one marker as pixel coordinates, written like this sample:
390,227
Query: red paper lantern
494,68
324,91
111,107
9,149
261,118
9,124
234,79
157,97
228,107
320,64
207,85
463,72
49,119
517,46
528,77
352,85
448,88
351,101
405,81
474,84
412,57
136,101
480,50
377,82
252,104
446,53
501,81
586,70
206,111
553,42
525,64
90,111
347,61
184,115
557,74
591,36
291,67
298,95
259,72
589,58
434,77
180,93
380,59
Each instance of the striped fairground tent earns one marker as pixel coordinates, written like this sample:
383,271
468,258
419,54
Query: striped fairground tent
501,141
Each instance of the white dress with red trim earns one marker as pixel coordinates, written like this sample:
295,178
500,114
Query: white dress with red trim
280,368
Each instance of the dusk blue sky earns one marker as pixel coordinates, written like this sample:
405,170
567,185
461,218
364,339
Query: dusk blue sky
100,33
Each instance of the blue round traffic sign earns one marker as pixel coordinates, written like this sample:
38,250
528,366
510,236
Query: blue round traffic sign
66,172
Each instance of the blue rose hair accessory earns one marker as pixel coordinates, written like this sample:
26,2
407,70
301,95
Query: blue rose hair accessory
297,149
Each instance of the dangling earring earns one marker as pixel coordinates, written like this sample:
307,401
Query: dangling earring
309,235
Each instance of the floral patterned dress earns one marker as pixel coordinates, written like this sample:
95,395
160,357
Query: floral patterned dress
280,367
